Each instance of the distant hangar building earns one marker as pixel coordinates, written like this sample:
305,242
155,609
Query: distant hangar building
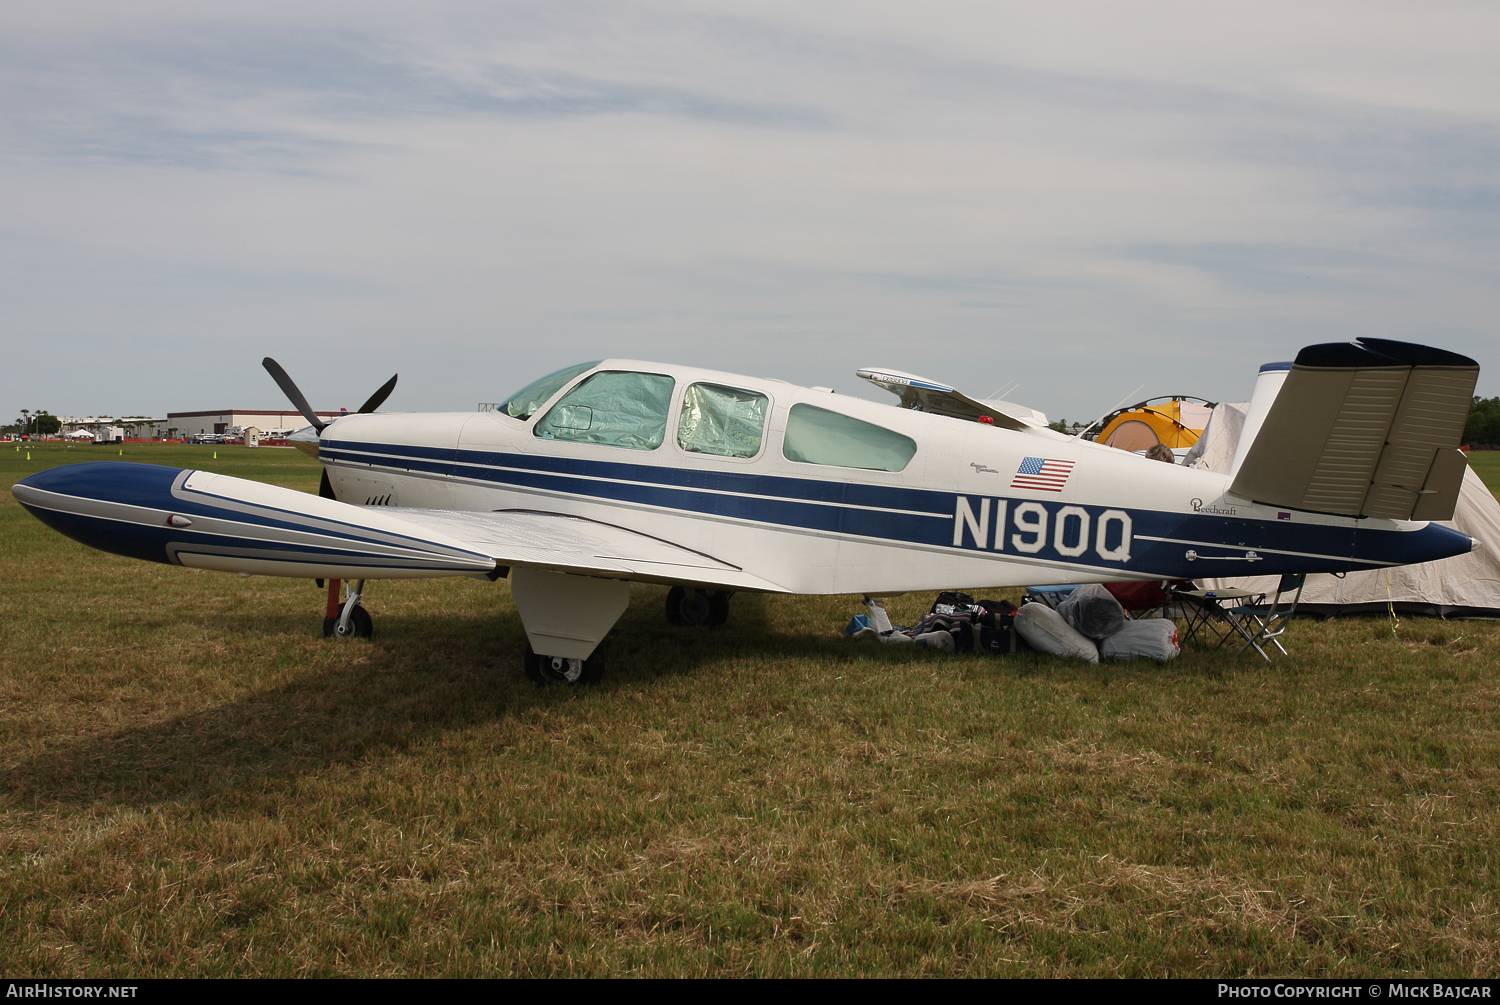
223,420
134,426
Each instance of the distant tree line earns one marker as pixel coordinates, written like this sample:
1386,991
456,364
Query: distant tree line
1484,421
39,423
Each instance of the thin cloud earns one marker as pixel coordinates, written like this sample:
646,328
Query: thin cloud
1073,196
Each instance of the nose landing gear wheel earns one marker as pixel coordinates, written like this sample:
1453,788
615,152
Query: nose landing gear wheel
563,672
360,625
697,607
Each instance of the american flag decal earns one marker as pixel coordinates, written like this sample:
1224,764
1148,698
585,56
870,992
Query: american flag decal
1044,474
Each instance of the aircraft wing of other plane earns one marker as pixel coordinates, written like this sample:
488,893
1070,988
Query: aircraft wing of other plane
938,398
208,521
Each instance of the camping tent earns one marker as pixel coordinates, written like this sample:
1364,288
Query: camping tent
1175,421
1467,586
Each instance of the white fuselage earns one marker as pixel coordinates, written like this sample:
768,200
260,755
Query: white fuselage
953,515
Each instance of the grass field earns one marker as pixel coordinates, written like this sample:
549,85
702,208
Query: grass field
194,782
1487,464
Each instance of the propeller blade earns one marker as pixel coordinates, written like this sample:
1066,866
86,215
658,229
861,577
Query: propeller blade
378,398
292,393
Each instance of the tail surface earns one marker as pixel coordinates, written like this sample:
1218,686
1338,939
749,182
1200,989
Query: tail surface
1366,429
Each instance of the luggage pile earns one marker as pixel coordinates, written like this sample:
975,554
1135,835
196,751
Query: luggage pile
1084,622
1088,623
956,623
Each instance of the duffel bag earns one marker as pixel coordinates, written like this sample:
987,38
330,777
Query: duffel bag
1154,638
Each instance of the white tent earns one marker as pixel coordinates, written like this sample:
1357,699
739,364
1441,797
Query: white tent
1216,444
1467,586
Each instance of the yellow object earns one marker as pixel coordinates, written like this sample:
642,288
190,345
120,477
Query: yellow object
1176,422
122,451
216,455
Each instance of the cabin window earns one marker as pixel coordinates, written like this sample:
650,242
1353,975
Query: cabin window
721,420
817,436
524,403
613,408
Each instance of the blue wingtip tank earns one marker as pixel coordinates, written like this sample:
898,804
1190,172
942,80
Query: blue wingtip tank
112,506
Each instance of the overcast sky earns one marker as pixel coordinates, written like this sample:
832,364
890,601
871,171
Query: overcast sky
1079,197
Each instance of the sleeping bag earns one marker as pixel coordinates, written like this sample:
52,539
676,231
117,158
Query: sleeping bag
1046,631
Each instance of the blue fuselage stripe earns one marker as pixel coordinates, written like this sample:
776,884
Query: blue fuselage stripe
925,517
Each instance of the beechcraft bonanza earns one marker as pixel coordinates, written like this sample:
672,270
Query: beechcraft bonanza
618,471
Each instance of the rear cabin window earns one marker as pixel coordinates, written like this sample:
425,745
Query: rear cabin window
817,436
725,421
615,409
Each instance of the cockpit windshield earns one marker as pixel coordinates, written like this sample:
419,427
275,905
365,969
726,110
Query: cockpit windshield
524,403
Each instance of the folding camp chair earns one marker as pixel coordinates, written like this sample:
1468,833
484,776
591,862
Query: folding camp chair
1143,600
1266,624
1207,610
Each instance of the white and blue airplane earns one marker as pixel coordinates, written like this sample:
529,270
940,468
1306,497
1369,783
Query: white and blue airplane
712,483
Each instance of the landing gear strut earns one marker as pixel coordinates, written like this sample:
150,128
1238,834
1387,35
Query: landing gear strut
689,606
566,617
558,670
348,620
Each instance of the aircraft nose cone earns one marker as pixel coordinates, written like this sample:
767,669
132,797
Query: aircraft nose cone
307,440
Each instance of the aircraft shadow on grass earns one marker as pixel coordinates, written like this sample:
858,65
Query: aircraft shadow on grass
407,690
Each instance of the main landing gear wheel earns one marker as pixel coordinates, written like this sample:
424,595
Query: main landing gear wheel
697,607
347,620
360,625
558,670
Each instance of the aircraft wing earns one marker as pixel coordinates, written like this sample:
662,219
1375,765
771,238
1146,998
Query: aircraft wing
926,395
563,543
208,521
1364,430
